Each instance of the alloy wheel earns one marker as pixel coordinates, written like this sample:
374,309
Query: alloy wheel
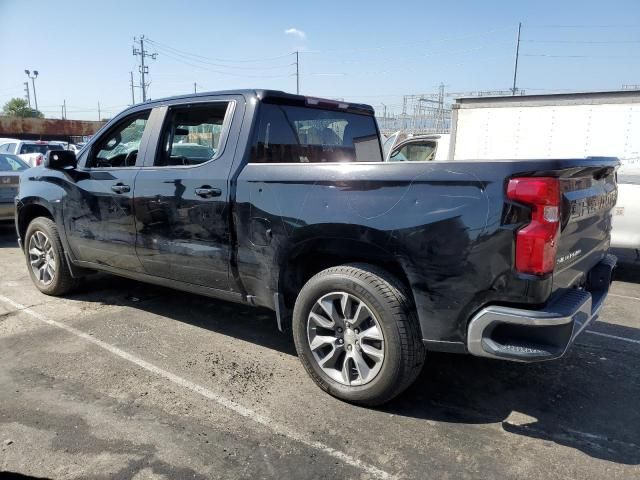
42,257
345,338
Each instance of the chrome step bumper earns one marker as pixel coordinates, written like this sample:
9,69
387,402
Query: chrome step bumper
534,335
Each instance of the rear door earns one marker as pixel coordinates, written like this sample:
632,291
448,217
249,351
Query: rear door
98,210
182,193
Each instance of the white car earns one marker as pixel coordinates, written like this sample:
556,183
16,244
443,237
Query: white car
401,147
31,151
626,214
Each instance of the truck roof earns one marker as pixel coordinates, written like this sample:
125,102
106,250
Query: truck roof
266,94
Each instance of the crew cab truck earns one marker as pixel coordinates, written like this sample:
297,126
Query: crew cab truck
288,204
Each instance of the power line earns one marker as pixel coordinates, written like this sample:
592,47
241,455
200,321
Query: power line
245,60
197,59
584,42
233,74
577,56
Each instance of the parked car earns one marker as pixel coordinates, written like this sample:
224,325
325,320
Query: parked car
11,167
371,263
626,216
31,151
402,147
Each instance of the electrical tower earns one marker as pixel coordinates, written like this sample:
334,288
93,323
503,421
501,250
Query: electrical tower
144,69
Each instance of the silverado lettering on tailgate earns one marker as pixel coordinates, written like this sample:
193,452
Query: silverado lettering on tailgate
591,205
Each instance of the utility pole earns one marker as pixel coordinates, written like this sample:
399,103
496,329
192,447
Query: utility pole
195,87
64,108
33,82
133,96
99,116
515,66
297,72
143,68
26,89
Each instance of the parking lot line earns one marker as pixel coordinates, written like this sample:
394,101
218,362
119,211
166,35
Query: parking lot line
205,392
624,339
624,296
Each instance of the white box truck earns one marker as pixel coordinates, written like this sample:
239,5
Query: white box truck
568,125
559,126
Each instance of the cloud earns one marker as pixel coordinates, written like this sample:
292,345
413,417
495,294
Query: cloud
296,33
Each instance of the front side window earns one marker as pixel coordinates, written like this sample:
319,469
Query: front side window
119,147
191,134
293,134
415,152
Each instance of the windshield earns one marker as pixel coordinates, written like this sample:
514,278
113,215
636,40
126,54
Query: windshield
11,163
292,134
42,148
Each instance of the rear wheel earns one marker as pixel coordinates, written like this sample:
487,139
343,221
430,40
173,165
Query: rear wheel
45,258
357,334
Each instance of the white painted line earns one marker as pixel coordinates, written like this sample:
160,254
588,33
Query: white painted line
205,392
624,296
624,339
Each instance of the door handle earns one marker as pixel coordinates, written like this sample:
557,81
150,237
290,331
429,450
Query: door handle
120,188
208,192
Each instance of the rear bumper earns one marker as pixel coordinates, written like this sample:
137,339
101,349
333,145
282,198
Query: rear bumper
535,335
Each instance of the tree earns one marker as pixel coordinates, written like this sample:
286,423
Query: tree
18,107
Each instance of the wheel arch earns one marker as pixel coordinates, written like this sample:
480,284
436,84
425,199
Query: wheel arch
312,256
30,210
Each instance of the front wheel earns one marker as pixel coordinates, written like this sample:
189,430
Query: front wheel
357,334
45,258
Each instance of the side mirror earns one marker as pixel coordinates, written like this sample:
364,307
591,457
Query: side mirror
60,160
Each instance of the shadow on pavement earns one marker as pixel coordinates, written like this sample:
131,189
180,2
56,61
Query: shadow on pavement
588,400
244,322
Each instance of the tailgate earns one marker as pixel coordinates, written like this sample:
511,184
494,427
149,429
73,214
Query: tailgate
588,197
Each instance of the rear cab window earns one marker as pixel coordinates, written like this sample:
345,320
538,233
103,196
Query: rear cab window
41,148
303,134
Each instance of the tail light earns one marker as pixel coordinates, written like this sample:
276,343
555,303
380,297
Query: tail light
537,242
39,160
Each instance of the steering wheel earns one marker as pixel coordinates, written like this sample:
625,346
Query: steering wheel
130,158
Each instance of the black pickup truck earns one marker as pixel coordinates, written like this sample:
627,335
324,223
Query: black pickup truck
285,202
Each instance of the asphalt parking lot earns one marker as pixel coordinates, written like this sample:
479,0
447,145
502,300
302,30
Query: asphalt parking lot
126,380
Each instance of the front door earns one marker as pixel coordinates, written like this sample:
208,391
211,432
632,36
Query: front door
182,196
98,209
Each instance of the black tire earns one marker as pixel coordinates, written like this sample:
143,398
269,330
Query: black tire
387,299
62,281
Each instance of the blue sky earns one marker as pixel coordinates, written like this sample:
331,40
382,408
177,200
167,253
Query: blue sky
367,51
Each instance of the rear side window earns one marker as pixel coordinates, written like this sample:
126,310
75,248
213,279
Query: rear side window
292,134
191,134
